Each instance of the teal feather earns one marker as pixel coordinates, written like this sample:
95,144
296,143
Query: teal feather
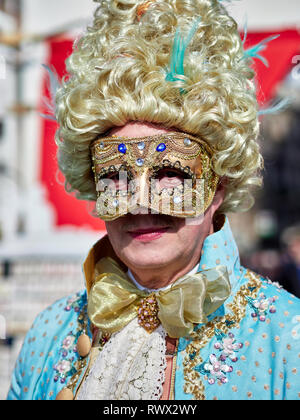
180,45
53,88
253,52
276,108
245,30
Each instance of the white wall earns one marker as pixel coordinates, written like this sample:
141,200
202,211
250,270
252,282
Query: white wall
42,16
45,15
266,14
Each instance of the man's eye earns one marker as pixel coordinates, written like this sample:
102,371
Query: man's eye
114,176
116,180
171,174
170,178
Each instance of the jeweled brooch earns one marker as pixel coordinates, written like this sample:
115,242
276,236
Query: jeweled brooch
148,313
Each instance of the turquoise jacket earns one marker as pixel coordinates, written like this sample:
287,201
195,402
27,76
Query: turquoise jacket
249,349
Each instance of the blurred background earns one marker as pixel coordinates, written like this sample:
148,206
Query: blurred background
45,234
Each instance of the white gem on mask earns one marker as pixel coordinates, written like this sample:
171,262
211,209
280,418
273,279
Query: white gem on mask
141,145
177,200
139,162
115,203
187,142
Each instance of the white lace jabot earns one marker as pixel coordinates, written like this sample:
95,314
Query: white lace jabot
131,366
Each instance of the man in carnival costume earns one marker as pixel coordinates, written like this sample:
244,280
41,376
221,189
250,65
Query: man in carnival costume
158,124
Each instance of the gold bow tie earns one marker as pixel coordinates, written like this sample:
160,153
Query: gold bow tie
114,301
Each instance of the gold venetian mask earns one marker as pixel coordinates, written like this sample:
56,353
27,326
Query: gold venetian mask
168,173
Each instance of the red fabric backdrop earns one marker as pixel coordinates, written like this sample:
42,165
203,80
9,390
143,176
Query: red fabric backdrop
69,210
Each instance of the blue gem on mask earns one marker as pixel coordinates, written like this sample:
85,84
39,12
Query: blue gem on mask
122,148
161,147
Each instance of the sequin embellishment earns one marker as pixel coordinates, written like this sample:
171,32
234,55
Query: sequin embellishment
218,366
64,367
261,306
68,365
73,303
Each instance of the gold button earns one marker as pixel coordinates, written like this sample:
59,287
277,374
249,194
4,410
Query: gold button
84,345
65,394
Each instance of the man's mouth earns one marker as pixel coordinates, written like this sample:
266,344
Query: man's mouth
148,234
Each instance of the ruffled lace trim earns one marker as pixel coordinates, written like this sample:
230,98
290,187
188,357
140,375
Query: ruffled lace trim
131,366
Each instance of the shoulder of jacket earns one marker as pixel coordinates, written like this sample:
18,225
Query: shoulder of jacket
272,298
52,321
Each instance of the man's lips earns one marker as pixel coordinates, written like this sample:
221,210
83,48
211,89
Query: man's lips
148,230
150,233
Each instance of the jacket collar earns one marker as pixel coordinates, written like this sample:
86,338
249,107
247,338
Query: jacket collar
220,248
102,248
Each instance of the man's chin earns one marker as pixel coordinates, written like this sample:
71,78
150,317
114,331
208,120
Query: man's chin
151,261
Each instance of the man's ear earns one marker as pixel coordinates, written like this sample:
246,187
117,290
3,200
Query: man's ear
219,196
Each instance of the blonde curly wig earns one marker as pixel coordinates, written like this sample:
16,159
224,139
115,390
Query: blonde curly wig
118,74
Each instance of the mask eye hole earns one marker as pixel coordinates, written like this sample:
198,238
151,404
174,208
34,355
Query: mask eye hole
117,180
169,177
